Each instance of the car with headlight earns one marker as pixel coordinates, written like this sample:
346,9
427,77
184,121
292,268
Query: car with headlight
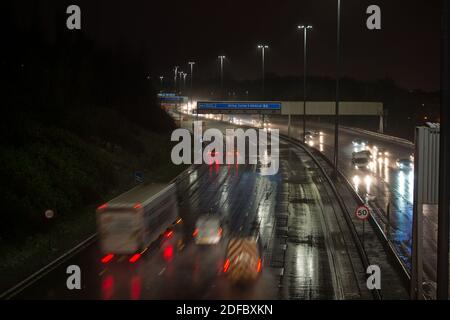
404,164
382,152
362,154
267,126
360,143
208,229
312,133
361,163
361,159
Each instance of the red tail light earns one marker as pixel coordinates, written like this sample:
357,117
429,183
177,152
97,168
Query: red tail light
220,232
103,206
107,258
137,206
168,253
168,234
226,265
108,287
259,266
135,258
195,233
136,287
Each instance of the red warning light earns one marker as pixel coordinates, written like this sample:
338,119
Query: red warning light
168,253
103,206
135,258
107,258
226,265
168,234
137,206
259,266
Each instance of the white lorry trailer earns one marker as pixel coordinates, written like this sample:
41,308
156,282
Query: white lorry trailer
130,222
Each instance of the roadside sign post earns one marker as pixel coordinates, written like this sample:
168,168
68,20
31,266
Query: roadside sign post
49,215
139,177
362,213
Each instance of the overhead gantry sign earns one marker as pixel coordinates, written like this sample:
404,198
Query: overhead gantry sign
294,108
239,107
313,108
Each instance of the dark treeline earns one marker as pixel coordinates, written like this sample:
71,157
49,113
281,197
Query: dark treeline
64,104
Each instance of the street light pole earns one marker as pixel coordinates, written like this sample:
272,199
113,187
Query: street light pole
336,115
263,47
180,74
221,58
175,77
444,158
184,80
305,28
191,63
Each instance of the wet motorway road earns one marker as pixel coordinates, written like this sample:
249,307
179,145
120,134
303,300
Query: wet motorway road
384,183
286,209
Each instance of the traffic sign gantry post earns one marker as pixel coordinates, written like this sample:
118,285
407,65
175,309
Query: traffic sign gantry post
362,213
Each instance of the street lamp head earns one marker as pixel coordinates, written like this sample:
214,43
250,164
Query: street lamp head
191,63
301,27
309,27
221,57
261,46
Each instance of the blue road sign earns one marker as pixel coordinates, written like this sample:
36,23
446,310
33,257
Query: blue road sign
238,107
166,94
172,99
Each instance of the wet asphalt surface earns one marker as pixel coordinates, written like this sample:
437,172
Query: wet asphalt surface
283,209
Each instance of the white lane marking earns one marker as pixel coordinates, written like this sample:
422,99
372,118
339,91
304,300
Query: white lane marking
162,271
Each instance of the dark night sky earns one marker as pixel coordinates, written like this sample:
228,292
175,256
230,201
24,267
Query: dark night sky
168,33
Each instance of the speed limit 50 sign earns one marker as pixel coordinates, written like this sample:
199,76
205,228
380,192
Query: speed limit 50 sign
362,212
